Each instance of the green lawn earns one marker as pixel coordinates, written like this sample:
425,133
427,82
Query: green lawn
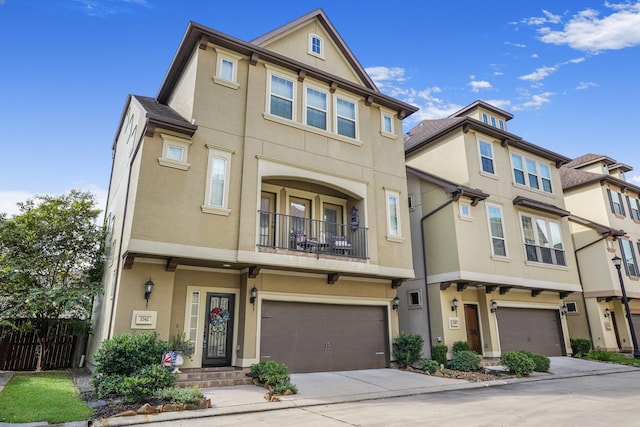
45,396
610,356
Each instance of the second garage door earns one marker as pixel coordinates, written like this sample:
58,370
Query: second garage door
310,337
530,329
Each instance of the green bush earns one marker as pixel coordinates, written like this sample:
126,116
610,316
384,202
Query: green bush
439,353
465,360
125,354
407,349
273,374
580,346
179,395
604,356
542,363
145,382
429,365
517,362
459,346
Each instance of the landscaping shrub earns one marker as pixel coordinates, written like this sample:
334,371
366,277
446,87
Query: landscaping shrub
145,382
542,363
580,346
465,360
439,353
459,346
125,354
604,356
429,365
407,349
518,363
179,395
273,374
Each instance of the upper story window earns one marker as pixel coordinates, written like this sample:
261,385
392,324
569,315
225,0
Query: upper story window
226,68
316,108
501,124
493,121
175,152
542,240
281,97
316,46
615,201
530,173
485,118
393,213
345,117
634,208
629,258
496,230
386,124
486,157
216,199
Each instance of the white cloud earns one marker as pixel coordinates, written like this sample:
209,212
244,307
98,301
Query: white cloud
539,74
635,178
541,20
588,32
534,102
9,200
478,85
107,8
586,85
535,55
515,44
381,75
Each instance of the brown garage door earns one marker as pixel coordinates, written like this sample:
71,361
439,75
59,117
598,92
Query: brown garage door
530,329
635,318
311,337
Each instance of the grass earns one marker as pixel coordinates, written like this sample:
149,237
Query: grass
614,357
45,396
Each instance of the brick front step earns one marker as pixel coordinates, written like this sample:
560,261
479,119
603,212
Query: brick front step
213,377
490,361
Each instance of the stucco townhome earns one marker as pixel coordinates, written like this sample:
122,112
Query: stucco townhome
596,190
492,248
263,192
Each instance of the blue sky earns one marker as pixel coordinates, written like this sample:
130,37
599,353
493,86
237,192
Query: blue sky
567,70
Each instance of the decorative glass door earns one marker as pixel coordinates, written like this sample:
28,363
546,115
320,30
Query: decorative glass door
218,330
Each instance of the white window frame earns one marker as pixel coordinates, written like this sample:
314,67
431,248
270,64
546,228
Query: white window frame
327,113
615,194
217,153
310,50
629,255
394,231
225,55
170,141
501,123
354,119
384,115
503,238
634,207
481,156
528,174
465,211
537,244
485,118
288,77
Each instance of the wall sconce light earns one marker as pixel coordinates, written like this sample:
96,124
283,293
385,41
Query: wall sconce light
607,312
454,305
254,295
395,303
494,306
564,309
148,288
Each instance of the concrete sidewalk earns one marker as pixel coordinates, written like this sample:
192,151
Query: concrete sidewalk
326,388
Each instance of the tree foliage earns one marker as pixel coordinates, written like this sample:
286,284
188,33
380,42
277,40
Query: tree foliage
50,260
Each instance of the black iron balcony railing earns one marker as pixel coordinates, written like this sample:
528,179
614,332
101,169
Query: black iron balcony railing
310,235
545,254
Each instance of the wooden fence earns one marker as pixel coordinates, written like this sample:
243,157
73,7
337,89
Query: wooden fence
19,351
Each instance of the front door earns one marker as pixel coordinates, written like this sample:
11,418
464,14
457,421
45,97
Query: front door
218,330
472,326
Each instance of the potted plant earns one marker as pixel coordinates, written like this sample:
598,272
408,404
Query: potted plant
182,347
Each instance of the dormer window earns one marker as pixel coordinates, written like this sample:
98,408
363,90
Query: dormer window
316,47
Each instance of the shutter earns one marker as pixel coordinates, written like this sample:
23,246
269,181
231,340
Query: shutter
629,205
613,211
622,205
624,257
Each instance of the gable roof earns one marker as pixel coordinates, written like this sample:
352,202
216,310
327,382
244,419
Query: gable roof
198,36
331,31
589,159
571,178
450,187
481,104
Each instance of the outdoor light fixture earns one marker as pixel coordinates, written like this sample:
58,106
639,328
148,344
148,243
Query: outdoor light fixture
564,309
454,305
254,295
148,288
395,303
494,306
617,261
607,312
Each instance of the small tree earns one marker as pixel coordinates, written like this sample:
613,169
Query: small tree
50,262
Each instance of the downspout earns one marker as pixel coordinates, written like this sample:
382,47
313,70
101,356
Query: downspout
455,196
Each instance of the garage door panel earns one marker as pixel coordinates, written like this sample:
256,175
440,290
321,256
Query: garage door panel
535,330
324,337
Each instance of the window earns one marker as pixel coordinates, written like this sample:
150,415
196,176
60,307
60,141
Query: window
226,68
393,213
496,230
193,319
542,240
411,201
346,117
465,210
486,157
634,208
217,186
533,176
572,306
628,258
485,118
493,121
615,200
316,108
315,46
175,152
414,298
501,124
387,124
281,97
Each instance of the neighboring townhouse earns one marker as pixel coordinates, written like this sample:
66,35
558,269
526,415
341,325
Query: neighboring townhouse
258,203
596,190
492,249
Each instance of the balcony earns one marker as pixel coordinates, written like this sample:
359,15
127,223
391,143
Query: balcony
292,233
545,255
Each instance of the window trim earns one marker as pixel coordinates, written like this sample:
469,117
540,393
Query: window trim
636,216
528,174
419,304
310,50
384,114
213,153
463,216
537,244
481,156
355,120
327,111
491,236
624,258
272,72
612,204
397,236
173,141
225,55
